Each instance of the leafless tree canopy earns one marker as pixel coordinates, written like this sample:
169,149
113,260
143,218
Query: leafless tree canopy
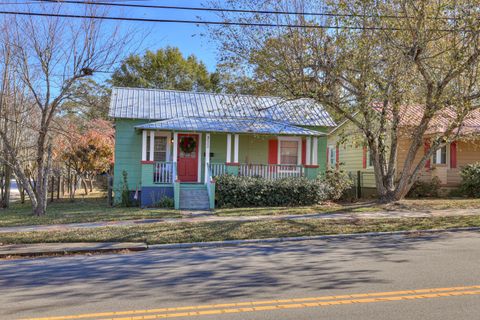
43,58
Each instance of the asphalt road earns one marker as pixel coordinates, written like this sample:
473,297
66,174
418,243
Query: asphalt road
312,271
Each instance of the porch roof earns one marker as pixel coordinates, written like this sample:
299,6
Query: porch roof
230,125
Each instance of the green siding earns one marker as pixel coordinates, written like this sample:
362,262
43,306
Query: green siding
351,141
128,151
128,154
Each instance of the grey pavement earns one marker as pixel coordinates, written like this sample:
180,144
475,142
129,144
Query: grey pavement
186,277
205,217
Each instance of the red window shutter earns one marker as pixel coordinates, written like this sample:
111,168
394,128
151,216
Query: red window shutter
453,155
304,151
337,155
272,151
364,158
426,147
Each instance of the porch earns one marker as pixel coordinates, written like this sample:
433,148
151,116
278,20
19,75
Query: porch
173,159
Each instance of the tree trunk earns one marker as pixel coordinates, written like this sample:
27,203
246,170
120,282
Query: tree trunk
43,172
85,186
91,184
8,187
5,197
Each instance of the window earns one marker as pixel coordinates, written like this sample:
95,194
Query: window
289,152
440,156
332,155
159,147
369,159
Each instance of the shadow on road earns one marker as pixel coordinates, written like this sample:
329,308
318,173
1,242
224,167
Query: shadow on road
204,275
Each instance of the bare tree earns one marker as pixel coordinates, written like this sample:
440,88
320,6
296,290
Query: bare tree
369,62
50,56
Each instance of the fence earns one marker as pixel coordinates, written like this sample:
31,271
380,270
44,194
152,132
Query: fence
363,184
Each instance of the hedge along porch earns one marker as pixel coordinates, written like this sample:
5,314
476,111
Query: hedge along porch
189,157
178,155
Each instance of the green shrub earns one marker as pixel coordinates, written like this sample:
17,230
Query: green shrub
126,199
423,189
456,193
165,202
470,185
336,182
240,191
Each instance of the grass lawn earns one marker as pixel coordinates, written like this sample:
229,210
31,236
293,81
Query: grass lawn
267,211
436,204
93,208
87,209
215,231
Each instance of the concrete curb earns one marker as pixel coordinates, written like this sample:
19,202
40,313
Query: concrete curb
45,249
231,243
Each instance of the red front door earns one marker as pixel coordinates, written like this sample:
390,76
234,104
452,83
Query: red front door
187,162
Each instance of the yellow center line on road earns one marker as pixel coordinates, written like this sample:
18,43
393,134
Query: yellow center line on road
268,305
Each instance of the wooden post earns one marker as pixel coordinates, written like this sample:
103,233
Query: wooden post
152,145
59,182
144,145
110,190
175,148
236,147
52,192
315,151
229,148
308,152
359,184
207,155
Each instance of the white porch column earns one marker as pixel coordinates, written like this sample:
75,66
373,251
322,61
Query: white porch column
152,144
144,145
315,151
207,155
175,147
308,160
235,146
229,148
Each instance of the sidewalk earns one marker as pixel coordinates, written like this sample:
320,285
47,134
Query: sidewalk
214,218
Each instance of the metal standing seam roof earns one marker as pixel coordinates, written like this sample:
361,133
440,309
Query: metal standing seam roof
155,104
231,125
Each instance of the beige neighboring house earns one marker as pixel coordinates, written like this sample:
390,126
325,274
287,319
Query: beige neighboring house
346,147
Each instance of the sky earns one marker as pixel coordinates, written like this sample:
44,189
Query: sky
190,38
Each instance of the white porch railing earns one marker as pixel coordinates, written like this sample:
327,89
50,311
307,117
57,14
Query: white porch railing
217,169
266,171
163,172
270,171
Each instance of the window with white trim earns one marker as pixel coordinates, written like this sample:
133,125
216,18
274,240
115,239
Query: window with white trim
369,159
289,152
332,155
160,146
440,156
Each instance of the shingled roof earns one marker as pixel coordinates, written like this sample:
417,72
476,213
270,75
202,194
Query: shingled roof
155,104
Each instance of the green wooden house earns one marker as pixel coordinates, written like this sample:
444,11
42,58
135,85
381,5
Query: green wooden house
173,143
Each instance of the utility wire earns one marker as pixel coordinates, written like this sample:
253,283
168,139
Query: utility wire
224,23
149,6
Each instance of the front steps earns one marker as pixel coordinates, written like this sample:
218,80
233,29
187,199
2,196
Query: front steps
194,197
